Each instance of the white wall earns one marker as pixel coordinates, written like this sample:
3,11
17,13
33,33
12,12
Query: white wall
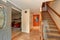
56,7
26,21
5,33
33,5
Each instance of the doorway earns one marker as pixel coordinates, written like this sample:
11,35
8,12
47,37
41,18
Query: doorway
16,22
36,20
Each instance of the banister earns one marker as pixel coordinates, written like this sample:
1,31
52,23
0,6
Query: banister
53,10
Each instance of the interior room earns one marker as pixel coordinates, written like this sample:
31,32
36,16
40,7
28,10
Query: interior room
29,19
15,22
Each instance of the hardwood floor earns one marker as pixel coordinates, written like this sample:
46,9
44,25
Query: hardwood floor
33,35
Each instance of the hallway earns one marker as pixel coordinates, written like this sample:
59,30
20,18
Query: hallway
48,21
51,31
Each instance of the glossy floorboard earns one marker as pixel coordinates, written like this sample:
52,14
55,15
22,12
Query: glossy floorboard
33,35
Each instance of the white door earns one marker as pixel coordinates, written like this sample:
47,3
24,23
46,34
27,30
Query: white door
26,20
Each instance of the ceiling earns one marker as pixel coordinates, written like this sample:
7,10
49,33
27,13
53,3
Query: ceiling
33,5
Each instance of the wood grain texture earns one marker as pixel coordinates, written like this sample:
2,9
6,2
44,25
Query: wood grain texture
53,10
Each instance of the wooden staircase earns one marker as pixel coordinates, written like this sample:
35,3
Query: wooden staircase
52,32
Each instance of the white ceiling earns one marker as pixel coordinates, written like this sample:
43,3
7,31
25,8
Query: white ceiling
34,5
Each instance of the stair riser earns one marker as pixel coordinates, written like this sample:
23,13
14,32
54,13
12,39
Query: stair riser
56,37
52,27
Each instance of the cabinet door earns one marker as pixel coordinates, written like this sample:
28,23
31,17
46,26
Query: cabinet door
35,20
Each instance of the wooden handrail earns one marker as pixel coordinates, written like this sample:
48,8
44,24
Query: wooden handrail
53,10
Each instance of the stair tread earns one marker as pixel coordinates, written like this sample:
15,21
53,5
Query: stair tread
53,34
47,19
50,20
53,27
51,23
53,38
52,31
